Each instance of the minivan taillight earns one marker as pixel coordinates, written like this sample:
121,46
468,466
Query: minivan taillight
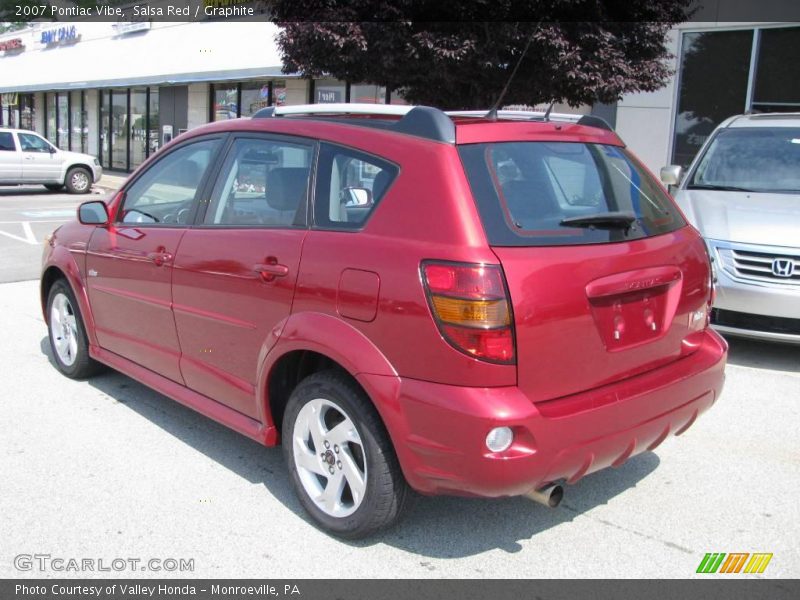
471,307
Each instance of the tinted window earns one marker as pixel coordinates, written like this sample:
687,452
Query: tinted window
263,183
713,86
525,190
350,185
165,193
7,142
33,143
763,159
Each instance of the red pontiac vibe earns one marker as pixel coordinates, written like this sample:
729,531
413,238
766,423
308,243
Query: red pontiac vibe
405,299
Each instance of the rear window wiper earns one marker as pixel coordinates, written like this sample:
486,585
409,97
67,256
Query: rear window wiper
604,220
719,188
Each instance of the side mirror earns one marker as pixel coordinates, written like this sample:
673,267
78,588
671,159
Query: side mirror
51,150
356,196
671,175
93,213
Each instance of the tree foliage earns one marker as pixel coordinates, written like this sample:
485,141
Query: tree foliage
460,55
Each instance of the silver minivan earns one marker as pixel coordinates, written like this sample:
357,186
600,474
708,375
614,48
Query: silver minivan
27,158
742,192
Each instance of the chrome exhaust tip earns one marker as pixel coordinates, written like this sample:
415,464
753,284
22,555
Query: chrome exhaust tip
550,495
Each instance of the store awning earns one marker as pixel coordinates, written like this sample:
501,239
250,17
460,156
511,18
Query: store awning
168,53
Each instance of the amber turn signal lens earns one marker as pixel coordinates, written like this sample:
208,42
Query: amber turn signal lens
486,314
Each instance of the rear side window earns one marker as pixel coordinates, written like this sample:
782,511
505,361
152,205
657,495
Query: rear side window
524,190
350,184
264,183
7,142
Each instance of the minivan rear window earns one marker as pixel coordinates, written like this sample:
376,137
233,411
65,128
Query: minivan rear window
564,193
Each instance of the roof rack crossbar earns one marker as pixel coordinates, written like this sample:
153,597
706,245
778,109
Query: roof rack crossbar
531,115
334,108
422,121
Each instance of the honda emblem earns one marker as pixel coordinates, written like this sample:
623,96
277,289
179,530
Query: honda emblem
783,267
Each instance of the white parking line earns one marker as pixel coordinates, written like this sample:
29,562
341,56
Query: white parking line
27,236
26,227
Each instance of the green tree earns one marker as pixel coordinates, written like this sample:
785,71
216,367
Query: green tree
579,51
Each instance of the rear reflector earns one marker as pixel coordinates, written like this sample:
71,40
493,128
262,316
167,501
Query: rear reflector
470,305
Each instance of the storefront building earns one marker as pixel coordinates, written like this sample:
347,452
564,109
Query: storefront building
121,90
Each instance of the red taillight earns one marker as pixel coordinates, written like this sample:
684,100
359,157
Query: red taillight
471,308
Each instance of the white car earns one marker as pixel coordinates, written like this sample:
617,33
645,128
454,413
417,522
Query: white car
28,158
742,192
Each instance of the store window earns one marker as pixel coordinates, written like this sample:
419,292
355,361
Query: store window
138,126
104,128
62,102
27,115
153,127
225,103
255,96
327,91
128,127
279,92
119,129
368,94
777,78
50,131
77,122
9,108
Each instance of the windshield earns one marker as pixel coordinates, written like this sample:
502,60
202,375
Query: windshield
755,159
559,193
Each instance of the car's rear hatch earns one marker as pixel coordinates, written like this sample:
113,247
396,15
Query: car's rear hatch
603,297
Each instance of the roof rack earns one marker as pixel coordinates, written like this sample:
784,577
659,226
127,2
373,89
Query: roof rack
531,115
422,121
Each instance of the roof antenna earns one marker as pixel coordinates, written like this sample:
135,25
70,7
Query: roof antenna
492,114
547,112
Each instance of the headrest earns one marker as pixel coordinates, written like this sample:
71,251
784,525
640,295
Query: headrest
286,187
382,180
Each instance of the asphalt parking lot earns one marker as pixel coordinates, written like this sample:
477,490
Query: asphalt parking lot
107,468
27,215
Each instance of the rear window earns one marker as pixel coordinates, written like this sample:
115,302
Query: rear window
524,190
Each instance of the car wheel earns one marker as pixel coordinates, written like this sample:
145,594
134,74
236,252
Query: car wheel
68,339
341,462
54,187
78,181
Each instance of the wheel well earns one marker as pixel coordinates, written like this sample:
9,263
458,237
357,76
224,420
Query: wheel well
290,370
50,276
82,166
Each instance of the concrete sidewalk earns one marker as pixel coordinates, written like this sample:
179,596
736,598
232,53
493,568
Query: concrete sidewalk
110,182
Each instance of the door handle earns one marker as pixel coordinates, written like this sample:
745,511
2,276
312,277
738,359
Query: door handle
270,269
160,256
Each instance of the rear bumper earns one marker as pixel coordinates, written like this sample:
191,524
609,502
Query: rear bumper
439,431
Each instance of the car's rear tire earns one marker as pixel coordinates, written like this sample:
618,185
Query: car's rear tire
78,180
341,461
67,333
54,187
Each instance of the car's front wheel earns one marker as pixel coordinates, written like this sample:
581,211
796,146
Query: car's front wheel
341,461
78,180
68,339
